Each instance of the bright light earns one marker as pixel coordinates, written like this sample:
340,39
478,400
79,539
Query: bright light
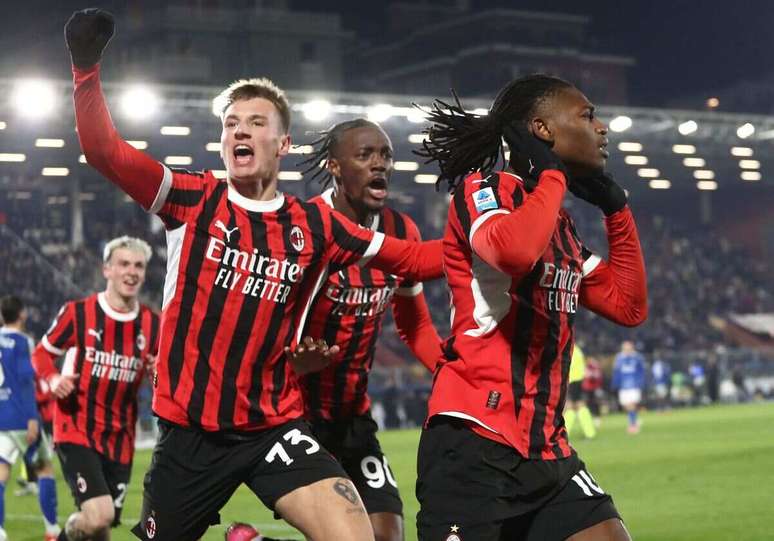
425,179
620,123
175,130
34,98
406,166
139,103
704,174
749,164
301,149
628,146
2,125
745,130
49,143
707,185
12,157
648,173
713,103
694,162
660,184
290,175
636,160
751,175
178,160
417,116
418,138
687,128
684,149
215,147
87,196
55,171
317,110
480,111
742,152
139,145
380,112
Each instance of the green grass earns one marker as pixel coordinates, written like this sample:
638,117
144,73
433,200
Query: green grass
690,475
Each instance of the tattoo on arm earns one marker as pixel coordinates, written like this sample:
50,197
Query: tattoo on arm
345,489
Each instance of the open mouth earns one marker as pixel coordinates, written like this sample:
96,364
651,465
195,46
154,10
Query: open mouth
377,188
243,154
603,150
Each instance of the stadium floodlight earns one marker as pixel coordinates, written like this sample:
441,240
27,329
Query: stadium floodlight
49,143
317,110
34,98
704,174
741,152
629,146
694,162
12,157
707,185
81,159
620,123
660,184
647,172
2,125
139,103
751,175
416,115
301,149
380,112
418,138
55,171
175,130
713,103
684,149
749,164
178,160
215,147
406,166
636,160
139,145
688,127
745,130
290,175
424,178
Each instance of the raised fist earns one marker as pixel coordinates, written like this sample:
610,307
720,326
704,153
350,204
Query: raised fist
87,33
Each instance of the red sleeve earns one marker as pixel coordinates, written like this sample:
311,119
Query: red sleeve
415,327
58,338
617,289
418,261
134,172
43,362
348,243
514,234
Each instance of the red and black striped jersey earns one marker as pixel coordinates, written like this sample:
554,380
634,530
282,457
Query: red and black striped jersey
505,366
349,311
241,276
109,350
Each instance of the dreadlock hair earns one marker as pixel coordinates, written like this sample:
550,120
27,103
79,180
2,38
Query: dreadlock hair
325,147
462,142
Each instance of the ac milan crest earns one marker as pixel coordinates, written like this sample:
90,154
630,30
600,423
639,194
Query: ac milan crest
80,482
297,238
150,527
141,341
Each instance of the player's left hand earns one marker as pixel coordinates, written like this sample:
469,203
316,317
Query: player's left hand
601,191
310,355
87,33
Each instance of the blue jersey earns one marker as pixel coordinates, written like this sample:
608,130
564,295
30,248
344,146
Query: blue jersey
661,372
629,371
17,381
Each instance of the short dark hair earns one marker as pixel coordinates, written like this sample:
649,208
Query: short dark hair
325,146
247,89
11,308
462,142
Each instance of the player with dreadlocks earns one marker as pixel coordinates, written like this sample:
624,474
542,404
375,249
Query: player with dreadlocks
494,460
357,158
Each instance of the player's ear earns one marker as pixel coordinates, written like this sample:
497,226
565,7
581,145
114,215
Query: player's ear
285,144
540,129
334,167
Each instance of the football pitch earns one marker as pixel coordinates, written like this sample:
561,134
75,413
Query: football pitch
691,475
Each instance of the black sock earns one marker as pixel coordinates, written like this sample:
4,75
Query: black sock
62,536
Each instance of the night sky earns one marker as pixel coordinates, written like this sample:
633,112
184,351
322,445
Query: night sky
683,48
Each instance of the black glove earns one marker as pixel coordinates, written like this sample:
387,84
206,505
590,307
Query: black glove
529,155
601,191
87,33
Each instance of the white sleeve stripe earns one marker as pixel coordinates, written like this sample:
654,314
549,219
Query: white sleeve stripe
590,264
50,348
480,221
410,291
164,187
373,248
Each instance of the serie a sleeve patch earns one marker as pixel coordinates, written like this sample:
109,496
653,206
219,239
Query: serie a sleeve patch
484,199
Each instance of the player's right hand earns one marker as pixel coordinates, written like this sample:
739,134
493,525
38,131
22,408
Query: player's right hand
530,156
87,33
310,356
62,385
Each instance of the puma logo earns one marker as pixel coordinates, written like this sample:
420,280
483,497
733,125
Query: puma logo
95,333
220,225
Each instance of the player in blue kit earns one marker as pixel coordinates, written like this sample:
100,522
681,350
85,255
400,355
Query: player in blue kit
629,380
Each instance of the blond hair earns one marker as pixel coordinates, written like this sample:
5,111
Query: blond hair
130,243
247,89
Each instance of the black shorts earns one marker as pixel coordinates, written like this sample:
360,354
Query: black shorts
194,473
353,442
90,474
476,488
575,391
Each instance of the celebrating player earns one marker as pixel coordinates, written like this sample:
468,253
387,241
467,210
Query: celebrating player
245,262
494,460
113,339
20,430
